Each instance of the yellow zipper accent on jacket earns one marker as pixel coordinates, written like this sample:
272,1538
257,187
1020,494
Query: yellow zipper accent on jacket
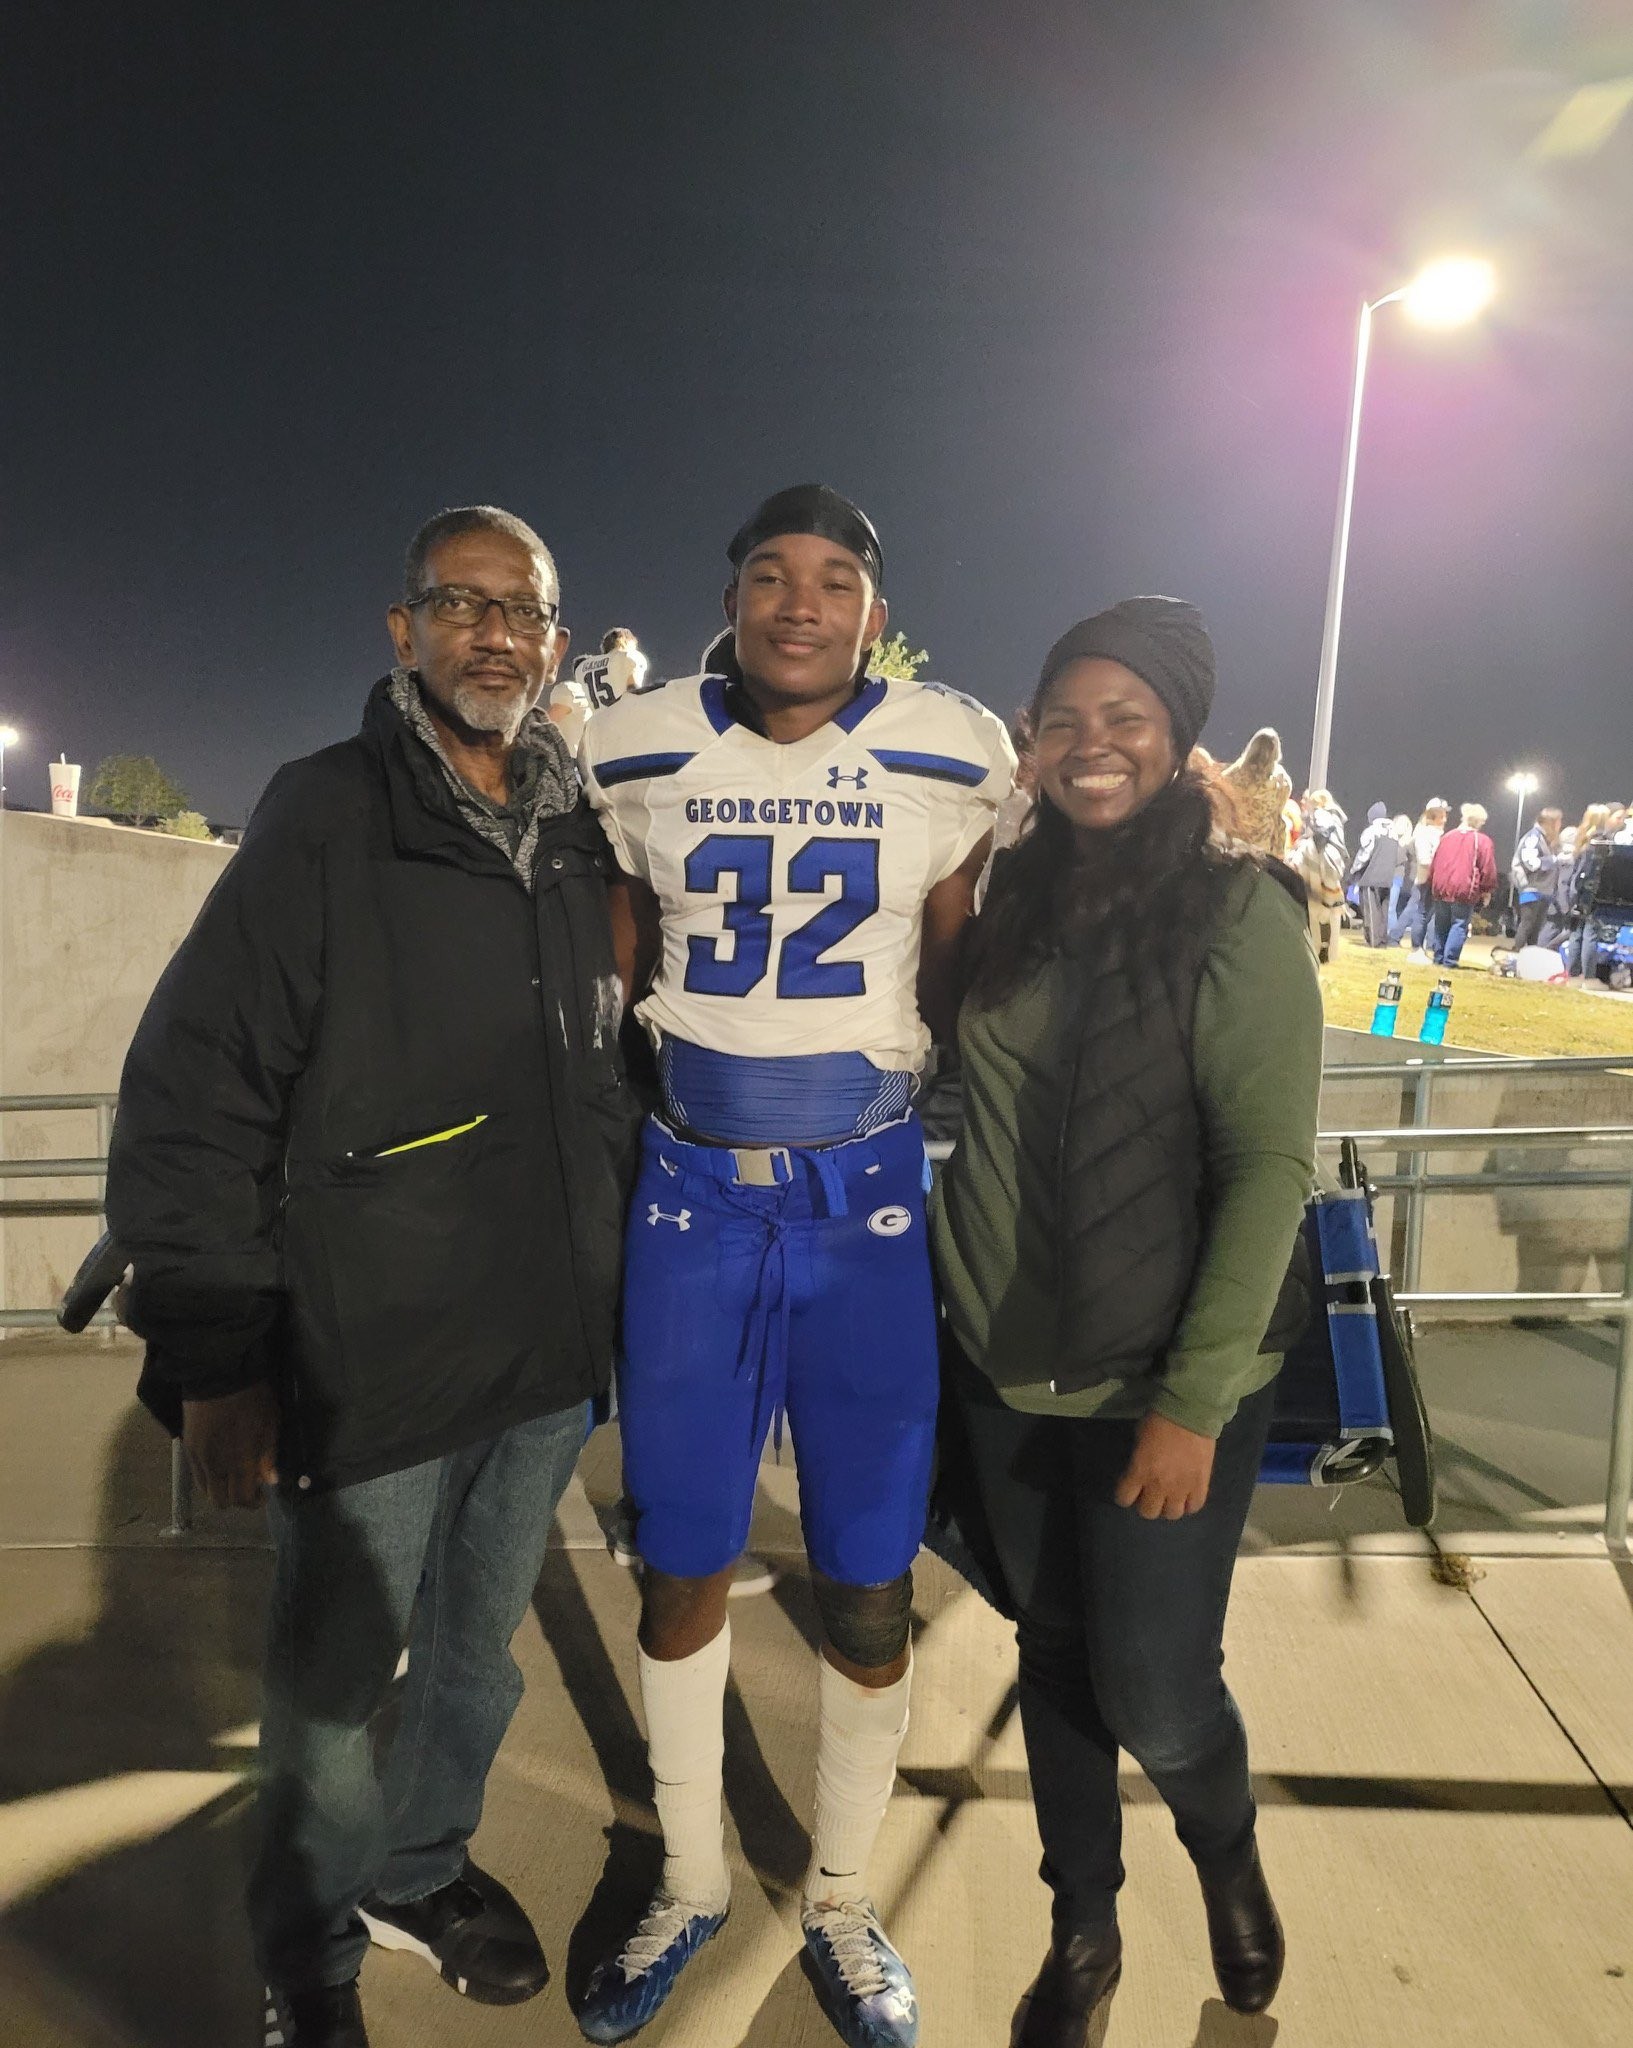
436,1138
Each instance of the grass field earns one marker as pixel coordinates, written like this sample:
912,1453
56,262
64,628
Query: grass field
1488,1014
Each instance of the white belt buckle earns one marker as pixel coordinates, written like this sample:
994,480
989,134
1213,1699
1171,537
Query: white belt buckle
757,1168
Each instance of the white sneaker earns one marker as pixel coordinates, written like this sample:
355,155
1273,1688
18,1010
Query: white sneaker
751,1574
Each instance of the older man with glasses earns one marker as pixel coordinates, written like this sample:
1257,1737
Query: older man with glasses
368,1171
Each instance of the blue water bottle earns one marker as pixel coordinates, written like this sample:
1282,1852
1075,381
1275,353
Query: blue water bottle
1434,1017
1384,1017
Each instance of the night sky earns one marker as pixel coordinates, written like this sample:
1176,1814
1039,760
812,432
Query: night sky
1063,295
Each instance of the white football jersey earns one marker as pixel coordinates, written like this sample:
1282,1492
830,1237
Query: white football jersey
792,878
597,681
601,679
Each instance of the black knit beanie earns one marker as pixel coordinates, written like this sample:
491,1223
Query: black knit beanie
1164,642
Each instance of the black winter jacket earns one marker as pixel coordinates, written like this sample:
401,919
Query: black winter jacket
373,1133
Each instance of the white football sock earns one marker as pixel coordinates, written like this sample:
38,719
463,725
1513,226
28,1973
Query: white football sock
684,1704
859,1736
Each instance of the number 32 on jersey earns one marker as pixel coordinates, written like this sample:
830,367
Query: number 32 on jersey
803,969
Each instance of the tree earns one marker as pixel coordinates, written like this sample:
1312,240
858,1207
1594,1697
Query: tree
134,786
893,658
187,825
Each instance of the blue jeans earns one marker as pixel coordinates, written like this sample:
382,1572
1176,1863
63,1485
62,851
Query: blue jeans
1583,947
1448,928
1120,1630
1413,916
442,1557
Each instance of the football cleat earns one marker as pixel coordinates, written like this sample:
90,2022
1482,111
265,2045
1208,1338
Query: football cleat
866,1987
627,1991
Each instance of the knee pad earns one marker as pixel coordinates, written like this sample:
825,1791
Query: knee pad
867,1625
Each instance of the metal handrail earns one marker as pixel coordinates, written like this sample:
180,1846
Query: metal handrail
1481,1063
1465,1137
44,1102
1419,1182
1499,1177
1419,1075
53,1169
1565,1308
95,1169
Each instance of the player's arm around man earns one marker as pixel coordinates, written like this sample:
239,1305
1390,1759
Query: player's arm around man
368,1168
802,843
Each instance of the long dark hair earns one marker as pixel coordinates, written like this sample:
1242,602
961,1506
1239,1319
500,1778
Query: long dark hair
1051,890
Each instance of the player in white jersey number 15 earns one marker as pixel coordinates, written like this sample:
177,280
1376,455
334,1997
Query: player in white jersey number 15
597,681
801,844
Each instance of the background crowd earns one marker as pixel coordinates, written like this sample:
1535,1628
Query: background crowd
1424,882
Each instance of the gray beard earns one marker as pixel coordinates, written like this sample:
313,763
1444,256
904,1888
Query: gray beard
478,711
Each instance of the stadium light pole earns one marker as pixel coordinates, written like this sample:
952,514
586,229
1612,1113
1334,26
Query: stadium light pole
1449,292
9,736
1522,785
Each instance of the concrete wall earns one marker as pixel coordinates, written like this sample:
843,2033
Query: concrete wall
89,915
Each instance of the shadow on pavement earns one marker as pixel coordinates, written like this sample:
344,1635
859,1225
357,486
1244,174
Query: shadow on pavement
634,1852
148,1935
774,1841
1219,2027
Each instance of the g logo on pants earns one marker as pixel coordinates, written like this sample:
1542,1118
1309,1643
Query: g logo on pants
890,1222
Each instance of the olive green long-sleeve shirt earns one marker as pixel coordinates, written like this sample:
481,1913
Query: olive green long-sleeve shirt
1257,1047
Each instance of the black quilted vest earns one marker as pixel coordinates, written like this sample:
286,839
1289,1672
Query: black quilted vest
1131,1194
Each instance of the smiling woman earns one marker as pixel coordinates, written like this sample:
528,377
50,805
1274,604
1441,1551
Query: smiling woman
1141,1051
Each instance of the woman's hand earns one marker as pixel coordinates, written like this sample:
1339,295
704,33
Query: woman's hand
1168,1475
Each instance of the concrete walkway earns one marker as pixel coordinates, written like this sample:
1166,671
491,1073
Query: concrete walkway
1445,1770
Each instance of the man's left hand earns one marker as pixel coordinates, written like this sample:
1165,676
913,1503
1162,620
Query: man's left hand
1168,1475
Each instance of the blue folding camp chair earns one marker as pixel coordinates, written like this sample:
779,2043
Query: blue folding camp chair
1348,1400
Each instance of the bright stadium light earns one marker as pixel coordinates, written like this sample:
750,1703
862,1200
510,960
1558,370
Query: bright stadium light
1446,293
1522,783
9,736
1450,292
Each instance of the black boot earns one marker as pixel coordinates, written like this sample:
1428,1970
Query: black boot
1079,1974
1244,1932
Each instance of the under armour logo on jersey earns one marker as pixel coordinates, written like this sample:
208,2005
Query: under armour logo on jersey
683,1221
857,781
890,1222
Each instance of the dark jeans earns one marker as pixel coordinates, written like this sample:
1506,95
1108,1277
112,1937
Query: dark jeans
1375,914
1448,928
1528,918
442,1557
1121,1624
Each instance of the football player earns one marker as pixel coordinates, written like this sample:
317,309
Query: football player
597,681
802,843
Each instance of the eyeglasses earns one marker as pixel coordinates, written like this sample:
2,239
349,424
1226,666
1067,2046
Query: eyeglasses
525,617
